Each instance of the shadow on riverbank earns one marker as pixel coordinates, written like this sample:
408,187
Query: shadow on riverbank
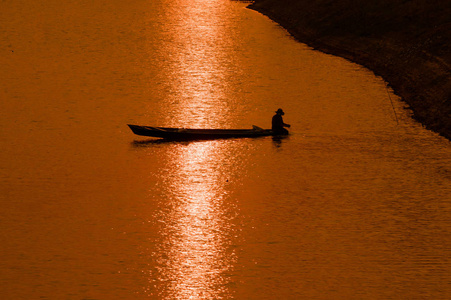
404,41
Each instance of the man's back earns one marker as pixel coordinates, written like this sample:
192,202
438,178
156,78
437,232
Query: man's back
277,123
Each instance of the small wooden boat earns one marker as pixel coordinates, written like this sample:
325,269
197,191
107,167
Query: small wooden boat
199,134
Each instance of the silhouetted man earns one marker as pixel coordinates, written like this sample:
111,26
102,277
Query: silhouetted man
278,124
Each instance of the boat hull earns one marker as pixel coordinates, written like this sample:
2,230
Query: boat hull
198,134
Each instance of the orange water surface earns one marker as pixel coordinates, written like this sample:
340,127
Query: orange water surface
354,204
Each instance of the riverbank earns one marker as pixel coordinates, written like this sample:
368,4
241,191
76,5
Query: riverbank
404,41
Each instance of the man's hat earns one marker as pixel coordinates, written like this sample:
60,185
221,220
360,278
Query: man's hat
280,111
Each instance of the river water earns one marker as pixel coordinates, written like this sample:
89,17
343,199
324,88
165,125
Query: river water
354,204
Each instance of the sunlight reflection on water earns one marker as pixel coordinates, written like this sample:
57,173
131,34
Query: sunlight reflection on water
199,66
197,227
198,254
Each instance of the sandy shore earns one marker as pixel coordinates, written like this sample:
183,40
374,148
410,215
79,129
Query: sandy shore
404,41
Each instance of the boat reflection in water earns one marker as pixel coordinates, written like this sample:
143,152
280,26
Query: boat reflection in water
196,252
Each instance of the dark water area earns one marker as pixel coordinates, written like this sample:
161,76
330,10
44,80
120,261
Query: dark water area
354,204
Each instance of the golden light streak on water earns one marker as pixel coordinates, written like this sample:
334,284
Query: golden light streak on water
199,66
197,228
196,254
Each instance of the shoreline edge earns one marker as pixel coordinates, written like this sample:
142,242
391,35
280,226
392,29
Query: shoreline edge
412,55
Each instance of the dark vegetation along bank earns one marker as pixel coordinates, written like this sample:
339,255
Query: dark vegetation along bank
407,42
